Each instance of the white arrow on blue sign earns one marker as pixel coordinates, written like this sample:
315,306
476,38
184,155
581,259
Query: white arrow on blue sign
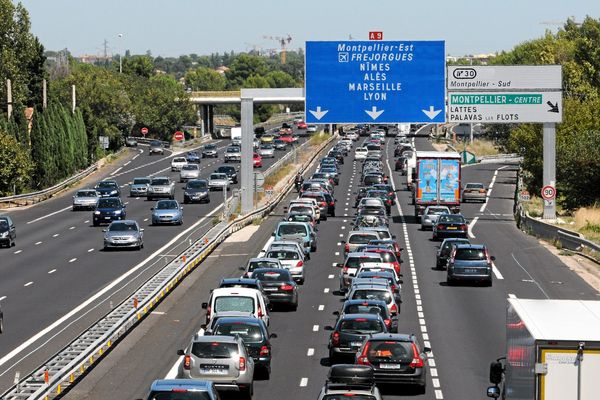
381,82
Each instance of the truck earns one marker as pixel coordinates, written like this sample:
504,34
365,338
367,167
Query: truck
236,135
552,351
437,180
403,129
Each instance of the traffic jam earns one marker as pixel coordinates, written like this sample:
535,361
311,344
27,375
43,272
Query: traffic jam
367,350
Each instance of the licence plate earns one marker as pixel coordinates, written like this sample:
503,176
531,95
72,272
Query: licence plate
355,344
106,217
451,228
470,270
270,289
214,369
389,366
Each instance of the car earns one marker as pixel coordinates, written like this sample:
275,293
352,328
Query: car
370,307
139,187
218,181
255,143
255,336
474,192
177,163
156,147
319,197
471,263
387,255
108,188
317,183
8,232
301,209
302,125
167,212
300,232
351,265
220,359
371,291
259,262
445,249
297,120
256,160
85,199
237,299
161,186
358,238
350,381
396,359
330,173
210,150
233,153
189,389
372,199
401,165
196,190
130,141
279,286
123,234
349,333
189,171
307,201
431,215
291,259
193,157
372,179
268,138
259,131
450,225
311,128
107,210
230,171
266,150
279,144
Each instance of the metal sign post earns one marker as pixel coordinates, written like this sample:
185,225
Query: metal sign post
549,174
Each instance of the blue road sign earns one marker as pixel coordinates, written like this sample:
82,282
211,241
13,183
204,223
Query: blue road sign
375,82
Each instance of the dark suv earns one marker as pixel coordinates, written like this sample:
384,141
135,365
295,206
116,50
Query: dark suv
108,188
349,333
230,171
8,233
109,209
470,262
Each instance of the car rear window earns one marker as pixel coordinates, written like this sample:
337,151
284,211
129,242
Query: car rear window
179,395
346,397
474,186
282,275
283,255
190,167
371,294
436,211
261,264
448,245
354,262
470,254
249,333
234,303
451,218
179,160
390,351
360,325
214,349
291,229
363,238
365,309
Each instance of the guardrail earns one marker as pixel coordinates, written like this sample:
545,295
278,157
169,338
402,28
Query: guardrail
65,367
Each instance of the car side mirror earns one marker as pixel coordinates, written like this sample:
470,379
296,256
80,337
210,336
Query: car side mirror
336,313
141,229
493,392
339,265
203,326
343,241
493,258
496,371
273,234
393,236
151,208
328,328
273,336
426,349
204,306
103,230
242,268
180,352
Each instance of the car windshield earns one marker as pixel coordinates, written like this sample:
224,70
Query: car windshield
354,262
291,229
210,147
474,186
390,351
451,218
218,176
281,275
155,144
191,167
160,181
470,254
86,193
234,303
226,170
362,238
266,147
301,210
365,309
214,350
141,181
109,203
252,265
197,185
437,210
372,294
3,223
283,255
249,333
180,395
167,205
106,185
360,325
233,150
179,160
122,226
388,257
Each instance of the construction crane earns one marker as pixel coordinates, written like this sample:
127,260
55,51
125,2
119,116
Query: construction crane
256,48
283,43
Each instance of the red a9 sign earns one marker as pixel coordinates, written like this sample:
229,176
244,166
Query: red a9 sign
378,35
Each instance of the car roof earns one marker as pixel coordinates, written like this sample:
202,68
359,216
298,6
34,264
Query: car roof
161,385
470,246
275,260
401,337
356,316
214,338
245,281
362,254
230,291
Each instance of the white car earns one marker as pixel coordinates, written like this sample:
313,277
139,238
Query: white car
310,201
189,171
266,150
238,300
431,215
352,135
311,128
360,153
177,163
291,259
218,181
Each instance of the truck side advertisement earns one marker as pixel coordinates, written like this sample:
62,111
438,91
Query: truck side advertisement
428,177
449,181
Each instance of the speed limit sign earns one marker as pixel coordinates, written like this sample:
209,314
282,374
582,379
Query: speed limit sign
548,192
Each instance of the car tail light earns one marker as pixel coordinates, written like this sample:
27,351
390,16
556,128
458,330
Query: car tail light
260,312
242,363
323,204
363,359
335,338
287,287
394,288
345,270
417,361
394,309
440,227
332,203
208,312
463,227
178,390
264,351
396,267
187,362
481,190
347,248
300,263
388,323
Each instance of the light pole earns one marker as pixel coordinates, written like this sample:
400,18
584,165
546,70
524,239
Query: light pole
120,36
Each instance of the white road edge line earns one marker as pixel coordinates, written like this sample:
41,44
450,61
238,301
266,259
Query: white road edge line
49,215
496,271
471,225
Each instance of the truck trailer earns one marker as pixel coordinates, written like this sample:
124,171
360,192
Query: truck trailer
552,351
436,180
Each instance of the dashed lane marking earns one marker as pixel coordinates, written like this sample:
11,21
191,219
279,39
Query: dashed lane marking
496,272
326,290
321,307
36,243
90,250
56,235
511,296
315,328
52,271
73,260
310,352
303,382
471,225
18,251
28,284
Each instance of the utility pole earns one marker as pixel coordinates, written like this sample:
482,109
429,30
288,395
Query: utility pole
9,104
44,94
73,99
549,174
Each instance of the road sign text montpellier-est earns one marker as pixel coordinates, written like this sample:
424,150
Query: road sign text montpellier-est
375,82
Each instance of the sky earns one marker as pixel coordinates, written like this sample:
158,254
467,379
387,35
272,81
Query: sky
177,27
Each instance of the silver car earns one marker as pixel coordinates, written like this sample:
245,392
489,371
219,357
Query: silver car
189,171
266,150
311,128
139,187
156,147
126,233
85,199
220,359
474,192
210,150
218,181
233,153
161,187
167,212
431,215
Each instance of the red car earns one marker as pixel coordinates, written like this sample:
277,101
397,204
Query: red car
257,160
302,125
288,138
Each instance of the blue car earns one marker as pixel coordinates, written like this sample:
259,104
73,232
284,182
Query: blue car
193,157
301,232
108,209
191,389
108,188
167,212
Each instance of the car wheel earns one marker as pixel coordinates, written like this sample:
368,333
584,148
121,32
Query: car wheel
301,281
1,324
95,223
313,248
421,389
294,306
489,282
172,197
180,222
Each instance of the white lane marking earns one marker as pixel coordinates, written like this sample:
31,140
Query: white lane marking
52,271
73,260
310,352
438,394
496,271
28,284
471,225
530,277
2,298
433,372
90,250
315,328
127,163
436,383
71,228
330,277
56,235
511,296
86,221
36,243
18,251
326,290
321,307
303,382
145,219
116,171
49,215
136,156
337,253
60,322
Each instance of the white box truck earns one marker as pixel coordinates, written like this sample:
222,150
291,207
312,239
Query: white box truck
236,135
552,351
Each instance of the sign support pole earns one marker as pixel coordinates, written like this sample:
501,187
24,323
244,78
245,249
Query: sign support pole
247,179
549,174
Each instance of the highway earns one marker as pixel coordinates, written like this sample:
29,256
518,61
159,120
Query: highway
464,325
57,281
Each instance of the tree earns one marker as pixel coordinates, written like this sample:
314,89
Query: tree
138,65
243,67
280,79
203,78
15,165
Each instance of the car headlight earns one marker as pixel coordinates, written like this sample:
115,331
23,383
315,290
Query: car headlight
117,212
97,212
3,234
113,192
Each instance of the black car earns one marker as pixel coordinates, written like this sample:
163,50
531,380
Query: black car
330,204
8,233
278,286
256,337
395,359
450,225
470,262
230,171
388,188
349,333
241,283
401,165
108,188
370,307
338,155
108,209
196,190
443,252
193,157
259,131
372,179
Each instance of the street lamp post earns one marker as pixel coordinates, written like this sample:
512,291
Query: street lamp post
120,36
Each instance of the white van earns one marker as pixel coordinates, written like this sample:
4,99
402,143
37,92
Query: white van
238,300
